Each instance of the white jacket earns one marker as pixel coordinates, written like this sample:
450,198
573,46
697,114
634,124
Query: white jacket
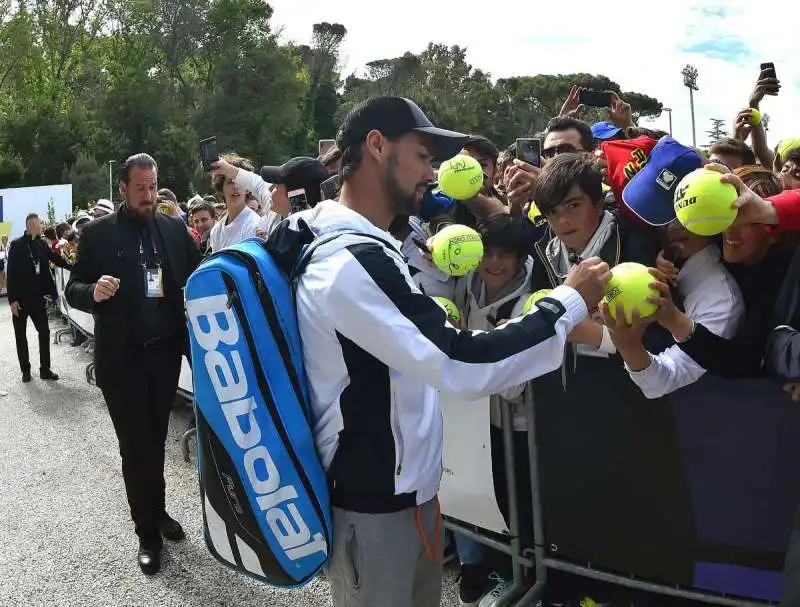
428,279
711,298
470,298
376,351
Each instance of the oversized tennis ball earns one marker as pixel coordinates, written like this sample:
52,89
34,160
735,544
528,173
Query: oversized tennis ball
535,296
449,307
461,177
755,116
703,204
457,250
630,287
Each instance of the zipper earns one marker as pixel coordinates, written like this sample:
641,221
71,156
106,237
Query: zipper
238,308
397,434
274,325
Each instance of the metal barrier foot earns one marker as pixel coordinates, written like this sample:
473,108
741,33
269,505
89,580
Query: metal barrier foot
57,335
187,436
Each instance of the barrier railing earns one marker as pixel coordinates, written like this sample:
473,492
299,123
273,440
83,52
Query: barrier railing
737,441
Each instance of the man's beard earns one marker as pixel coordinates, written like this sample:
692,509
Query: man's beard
402,202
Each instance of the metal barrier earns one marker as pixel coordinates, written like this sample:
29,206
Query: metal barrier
530,574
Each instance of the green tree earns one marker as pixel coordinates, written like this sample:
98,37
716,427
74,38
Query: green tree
89,180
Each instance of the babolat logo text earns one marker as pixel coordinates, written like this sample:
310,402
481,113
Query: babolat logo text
213,323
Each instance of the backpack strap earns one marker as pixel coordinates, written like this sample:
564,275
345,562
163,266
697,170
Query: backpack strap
504,311
308,250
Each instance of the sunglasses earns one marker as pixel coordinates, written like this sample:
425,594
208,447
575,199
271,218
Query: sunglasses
564,148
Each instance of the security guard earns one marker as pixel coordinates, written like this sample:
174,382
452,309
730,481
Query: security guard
132,266
29,280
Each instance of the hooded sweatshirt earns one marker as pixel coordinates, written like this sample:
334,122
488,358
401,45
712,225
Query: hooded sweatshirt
428,279
470,297
377,351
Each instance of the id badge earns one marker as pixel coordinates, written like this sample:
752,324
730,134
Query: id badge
153,283
37,267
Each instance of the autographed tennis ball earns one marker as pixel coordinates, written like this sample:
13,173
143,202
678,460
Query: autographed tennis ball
755,116
461,177
630,287
457,250
535,296
703,204
449,307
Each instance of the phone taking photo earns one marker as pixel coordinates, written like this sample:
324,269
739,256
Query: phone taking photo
529,150
591,98
298,200
769,67
330,188
209,153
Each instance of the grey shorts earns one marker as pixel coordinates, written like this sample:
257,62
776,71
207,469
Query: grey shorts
387,560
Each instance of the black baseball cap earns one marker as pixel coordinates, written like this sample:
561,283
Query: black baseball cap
394,117
300,172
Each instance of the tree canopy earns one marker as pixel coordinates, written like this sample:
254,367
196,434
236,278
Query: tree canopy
85,82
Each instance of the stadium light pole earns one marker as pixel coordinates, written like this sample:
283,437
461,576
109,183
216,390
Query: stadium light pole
669,111
690,82
110,182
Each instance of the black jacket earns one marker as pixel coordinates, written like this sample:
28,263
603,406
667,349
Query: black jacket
24,286
110,246
611,469
742,355
782,358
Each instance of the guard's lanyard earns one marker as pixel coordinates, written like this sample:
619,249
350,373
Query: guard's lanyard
142,257
34,258
153,276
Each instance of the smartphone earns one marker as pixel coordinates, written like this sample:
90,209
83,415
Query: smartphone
330,188
208,153
298,200
770,69
529,150
325,145
592,98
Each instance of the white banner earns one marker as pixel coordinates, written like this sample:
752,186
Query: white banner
467,489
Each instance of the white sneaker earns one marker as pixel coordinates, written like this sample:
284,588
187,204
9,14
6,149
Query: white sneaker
500,589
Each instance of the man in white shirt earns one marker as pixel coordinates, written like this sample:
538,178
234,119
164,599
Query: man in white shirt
233,179
711,297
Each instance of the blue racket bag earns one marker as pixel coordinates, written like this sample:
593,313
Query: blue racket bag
264,493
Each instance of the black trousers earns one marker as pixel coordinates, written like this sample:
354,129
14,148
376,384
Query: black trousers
37,312
139,395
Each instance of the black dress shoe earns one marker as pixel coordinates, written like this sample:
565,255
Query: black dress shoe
171,529
26,377
149,560
48,374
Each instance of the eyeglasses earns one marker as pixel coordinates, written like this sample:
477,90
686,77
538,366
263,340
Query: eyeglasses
564,148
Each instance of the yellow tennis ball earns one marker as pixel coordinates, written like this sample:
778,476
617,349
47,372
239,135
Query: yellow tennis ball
703,204
449,307
630,287
461,177
457,250
755,116
535,296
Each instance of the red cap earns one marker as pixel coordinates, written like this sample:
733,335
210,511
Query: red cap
625,157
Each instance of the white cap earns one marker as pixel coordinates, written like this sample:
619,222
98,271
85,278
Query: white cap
104,205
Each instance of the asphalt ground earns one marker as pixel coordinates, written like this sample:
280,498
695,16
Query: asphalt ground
66,538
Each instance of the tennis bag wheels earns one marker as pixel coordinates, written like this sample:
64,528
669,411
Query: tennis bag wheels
266,509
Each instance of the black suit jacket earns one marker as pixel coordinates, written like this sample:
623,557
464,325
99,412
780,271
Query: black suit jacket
110,246
24,286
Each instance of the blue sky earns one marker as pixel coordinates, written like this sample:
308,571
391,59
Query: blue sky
725,41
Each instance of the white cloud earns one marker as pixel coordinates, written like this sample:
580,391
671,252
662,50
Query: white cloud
641,45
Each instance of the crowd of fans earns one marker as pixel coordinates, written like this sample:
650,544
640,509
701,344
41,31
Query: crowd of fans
727,303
